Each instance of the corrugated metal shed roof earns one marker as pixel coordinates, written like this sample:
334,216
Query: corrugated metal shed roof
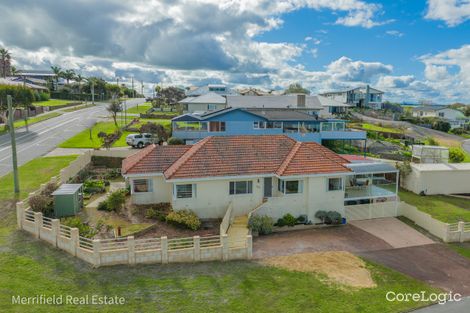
67,189
362,168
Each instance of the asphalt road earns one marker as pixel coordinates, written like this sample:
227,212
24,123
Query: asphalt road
44,136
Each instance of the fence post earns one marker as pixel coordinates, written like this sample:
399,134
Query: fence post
225,247
37,224
197,248
74,240
96,252
446,235
249,247
131,249
461,231
55,225
19,214
164,247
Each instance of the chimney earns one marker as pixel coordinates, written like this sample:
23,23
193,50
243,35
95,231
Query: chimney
301,101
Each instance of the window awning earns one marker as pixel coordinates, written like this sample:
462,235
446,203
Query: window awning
363,168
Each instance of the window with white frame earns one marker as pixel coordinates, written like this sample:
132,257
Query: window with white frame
259,125
240,187
183,191
335,184
290,186
142,185
274,125
211,107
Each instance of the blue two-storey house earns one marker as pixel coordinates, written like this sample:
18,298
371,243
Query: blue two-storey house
300,126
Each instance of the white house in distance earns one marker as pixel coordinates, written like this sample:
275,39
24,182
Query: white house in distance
362,97
455,117
248,172
205,103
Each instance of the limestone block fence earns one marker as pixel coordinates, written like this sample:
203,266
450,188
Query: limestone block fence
124,250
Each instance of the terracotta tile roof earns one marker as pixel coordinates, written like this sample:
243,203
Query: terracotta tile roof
236,155
153,159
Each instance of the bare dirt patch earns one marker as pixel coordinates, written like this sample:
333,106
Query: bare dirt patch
339,266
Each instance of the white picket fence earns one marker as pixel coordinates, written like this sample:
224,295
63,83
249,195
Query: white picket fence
128,250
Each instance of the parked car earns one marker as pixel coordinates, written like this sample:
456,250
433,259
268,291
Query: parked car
140,140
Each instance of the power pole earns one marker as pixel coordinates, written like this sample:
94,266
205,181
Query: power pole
133,91
93,92
13,145
142,92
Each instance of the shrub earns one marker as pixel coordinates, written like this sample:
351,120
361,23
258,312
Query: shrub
280,222
175,141
322,215
103,206
83,229
40,203
458,131
49,189
184,218
333,217
430,141
116,200
262,224
44,96
456,155
302,219
94,186
289,220
441,125
158,211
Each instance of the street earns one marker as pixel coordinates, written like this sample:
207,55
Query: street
44,136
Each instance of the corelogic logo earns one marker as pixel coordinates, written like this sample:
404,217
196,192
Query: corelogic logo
423,296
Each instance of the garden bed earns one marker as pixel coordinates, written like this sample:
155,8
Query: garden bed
277,229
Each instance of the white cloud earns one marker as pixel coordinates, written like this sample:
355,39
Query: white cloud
452,12
394,33
308,38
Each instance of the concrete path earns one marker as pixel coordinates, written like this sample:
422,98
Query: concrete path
393,232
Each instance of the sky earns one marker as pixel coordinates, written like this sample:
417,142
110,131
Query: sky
413,50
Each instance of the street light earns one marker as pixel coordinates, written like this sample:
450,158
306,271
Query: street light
13,144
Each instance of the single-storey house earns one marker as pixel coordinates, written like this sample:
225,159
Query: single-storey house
455,117
204,103
294,177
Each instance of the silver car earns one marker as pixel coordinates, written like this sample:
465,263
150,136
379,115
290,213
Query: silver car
140,140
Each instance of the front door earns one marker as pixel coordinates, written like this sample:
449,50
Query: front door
268,187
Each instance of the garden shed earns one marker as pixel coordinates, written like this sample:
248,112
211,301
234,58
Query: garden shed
68,200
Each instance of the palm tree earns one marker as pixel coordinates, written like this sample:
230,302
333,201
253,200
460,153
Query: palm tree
68,75
58,72
79,78
14,71
5,59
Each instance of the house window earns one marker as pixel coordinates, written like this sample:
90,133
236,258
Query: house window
291,127
441,114
335,184
290,186
185,191
211,107
274,125
259,125
142,185
217,126
240,187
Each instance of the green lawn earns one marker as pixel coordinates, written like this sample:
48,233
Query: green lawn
32,267
53,102
82,139
33,120
373,127
461,248
141,109
165,123
33,174
444,208
121,142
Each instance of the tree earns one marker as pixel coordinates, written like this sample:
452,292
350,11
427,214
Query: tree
466,110
68,75
14,71
79,79
58,73
441,125
156,129
113,90
5,62
296,88
169,95
21,96
113,108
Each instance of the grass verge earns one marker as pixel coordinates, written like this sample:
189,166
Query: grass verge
33,120
53,102
443,208
82,139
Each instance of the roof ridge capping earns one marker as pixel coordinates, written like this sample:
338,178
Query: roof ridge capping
289,158
185,157
129,162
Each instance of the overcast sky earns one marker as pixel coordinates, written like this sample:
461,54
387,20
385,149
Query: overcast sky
410,49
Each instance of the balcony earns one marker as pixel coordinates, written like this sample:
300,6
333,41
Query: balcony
371,186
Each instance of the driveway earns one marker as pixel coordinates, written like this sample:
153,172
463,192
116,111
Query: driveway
397,246
393,232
